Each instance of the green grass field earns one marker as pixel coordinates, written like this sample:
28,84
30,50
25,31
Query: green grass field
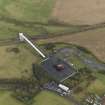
24,10
49,98
22,16
26,16
17,64
44,98
100,88
7,99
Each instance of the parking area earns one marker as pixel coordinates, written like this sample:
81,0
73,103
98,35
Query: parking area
57,68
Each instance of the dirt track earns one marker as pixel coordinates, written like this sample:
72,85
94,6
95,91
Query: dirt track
80,11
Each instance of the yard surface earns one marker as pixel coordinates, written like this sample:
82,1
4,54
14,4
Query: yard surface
80,12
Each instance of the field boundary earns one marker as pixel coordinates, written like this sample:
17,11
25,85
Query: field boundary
52,35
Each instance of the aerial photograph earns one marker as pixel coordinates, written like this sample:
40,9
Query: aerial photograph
52,52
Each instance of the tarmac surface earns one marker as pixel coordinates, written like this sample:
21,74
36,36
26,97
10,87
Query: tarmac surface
49,64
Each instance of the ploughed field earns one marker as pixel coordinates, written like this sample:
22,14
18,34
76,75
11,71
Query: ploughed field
80,12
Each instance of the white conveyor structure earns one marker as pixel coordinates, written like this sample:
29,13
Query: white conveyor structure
22,37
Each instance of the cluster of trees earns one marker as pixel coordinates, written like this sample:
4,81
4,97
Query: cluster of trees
101,71
50,46
26,96
40,74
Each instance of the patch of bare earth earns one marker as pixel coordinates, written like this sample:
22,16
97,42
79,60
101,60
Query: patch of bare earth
93,40
80,12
